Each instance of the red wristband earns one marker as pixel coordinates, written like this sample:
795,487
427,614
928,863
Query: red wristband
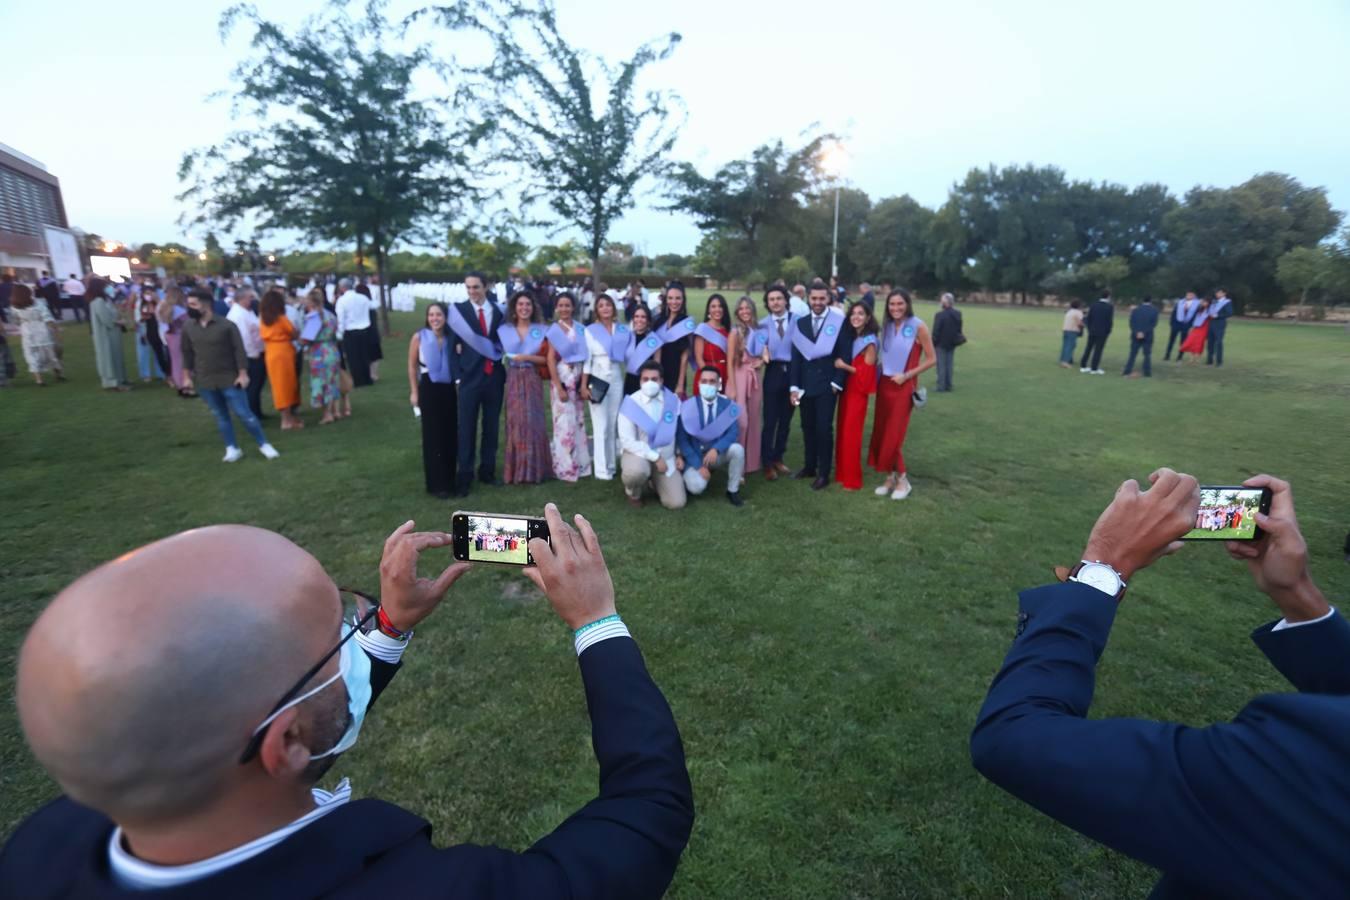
388,628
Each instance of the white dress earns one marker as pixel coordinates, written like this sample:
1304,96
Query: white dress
39,349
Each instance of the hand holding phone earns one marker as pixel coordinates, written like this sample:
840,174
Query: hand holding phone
571,571
1279,560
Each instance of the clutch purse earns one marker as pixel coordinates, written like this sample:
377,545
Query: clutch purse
598,388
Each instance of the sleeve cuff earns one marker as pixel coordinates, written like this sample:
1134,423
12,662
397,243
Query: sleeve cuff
602,631
1284,625
794,390
382,646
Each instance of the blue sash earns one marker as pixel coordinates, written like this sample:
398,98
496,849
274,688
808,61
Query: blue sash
1200,317
756,341
670,332
862,343
823,343
435,359
640,350
313,323
780,348
895,348
616,344
709,333
571,350
658,435
514,344
1218,307
709,433
480,343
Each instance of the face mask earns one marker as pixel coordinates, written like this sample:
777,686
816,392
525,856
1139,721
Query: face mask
651,388
354,670
109,292
707,391
194,313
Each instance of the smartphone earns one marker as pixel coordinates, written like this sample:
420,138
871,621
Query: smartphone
1228,513
495,538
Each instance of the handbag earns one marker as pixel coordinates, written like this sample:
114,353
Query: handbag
598,388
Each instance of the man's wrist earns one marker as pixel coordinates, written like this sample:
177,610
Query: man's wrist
1301,602
1116,560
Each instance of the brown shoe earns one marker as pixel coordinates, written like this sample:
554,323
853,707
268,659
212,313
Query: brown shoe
635,502
771,474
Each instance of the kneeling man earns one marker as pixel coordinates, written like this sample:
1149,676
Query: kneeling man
708,437
647,430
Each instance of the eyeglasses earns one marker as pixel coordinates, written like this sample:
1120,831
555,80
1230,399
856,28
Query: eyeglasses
359,609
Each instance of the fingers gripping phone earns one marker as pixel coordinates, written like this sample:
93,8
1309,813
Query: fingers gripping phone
1228,513
494,538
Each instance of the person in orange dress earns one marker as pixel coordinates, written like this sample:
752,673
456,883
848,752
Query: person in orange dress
278,334
903,338
710,338
858,391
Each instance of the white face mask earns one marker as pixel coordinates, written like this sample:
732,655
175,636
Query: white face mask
651,388
707,391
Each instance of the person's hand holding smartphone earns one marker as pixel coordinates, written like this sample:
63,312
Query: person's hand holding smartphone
1278,559
571,571
406,598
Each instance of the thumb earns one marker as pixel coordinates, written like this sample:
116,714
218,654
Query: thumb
1273,524
449,577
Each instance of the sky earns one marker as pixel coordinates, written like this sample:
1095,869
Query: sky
1177,92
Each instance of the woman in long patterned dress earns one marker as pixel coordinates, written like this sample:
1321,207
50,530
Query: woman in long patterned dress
527,447
321,349
571,456
36,327
858,391
172,313
746,351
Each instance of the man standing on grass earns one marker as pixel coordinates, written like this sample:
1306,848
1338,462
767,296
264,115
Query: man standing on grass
215,363
245,318
482,381
1143,321
818,341
1182,314
778,409
1219,312
1100,318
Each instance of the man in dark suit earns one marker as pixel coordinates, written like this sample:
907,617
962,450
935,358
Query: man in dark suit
482,383
946,338
1182,313
186,776
816,383
778,326
1143,321
1255,807
1219,312
1100,318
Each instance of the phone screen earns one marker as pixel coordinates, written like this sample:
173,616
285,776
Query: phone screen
1228,513
493,538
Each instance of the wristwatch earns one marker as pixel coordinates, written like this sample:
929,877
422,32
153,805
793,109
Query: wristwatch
1099,575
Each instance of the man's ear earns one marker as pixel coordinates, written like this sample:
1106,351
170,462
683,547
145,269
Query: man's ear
283,754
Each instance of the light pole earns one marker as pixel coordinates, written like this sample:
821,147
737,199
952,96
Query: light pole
833,163
834,247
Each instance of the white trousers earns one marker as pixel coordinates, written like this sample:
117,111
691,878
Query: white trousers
605,431
733,461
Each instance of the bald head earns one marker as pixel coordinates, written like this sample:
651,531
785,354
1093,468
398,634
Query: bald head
139,685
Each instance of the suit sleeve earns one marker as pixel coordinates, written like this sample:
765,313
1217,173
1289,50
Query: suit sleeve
685,444
1314,658
795,366
1185,800
842,345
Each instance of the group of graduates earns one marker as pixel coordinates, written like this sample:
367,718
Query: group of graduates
1197,326
1219,518
670,399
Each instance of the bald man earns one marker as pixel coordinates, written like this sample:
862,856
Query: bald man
188,711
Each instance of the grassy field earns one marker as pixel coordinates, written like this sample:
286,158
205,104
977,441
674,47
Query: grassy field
825,654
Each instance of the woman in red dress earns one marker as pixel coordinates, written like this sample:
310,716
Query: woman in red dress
858,391
903,338
1195,338
710,338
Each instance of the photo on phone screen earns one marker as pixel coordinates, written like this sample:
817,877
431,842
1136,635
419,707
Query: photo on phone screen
1228,513
491,538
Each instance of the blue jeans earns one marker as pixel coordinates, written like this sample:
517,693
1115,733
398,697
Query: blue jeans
1066,350
222,403
146,361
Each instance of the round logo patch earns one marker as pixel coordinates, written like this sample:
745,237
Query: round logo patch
653,343
907,331
831,330
668,418
688,325
536,332
734,409
622,329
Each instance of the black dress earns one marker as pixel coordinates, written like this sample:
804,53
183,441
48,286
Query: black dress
669,357
440,448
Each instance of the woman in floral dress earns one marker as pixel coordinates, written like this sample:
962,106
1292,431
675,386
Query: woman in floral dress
571,456
321,350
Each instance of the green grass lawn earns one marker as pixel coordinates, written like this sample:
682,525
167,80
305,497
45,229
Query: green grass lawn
825,654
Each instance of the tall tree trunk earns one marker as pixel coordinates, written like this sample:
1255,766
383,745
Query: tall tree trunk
380,268
360,254
1303,306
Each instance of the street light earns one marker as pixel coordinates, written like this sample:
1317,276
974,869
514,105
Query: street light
832,161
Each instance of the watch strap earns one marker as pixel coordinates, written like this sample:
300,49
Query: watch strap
1073,573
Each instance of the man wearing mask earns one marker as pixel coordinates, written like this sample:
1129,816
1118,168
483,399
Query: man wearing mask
244,315
707,438
190,767
648,424
215,364
482,381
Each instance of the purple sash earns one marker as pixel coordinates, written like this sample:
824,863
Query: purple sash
514,344
1201,315
480,343
823,343
862,343
670,332
313,322
658,435
616,344
1218,306
895,348
708,434
756,341
435,359
571,350
709,333
640,350
780,348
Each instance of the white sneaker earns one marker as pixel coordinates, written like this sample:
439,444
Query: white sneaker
233,454
885,488
902,490
1085,370
1098,371
268,451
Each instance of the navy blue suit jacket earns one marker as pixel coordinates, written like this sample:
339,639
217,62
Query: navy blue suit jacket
693,450
1255,807
1101,316
1144,318
814,376
623,844
468,361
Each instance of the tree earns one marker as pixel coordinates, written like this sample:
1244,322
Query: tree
795,269
895,243
816,224
1304,270
495,253
1089,277
572,121
337,144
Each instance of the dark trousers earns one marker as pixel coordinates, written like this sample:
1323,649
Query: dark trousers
818,433
1136,345
356,351
1178,337
440,426
778,411
945,357
1096,343
1214,341
161,352
484,397
257,377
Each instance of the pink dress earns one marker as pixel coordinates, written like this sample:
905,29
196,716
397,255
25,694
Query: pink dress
750,397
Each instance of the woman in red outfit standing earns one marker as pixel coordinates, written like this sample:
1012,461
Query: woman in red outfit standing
710,338
903,338
861,385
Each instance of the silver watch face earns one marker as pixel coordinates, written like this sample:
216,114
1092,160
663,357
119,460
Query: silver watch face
1100,577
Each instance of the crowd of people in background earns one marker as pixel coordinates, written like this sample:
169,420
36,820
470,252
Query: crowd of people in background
1197,325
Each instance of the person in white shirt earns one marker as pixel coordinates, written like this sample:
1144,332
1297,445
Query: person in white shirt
246,320
605,338
797,304
642,464
73,288
353,322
